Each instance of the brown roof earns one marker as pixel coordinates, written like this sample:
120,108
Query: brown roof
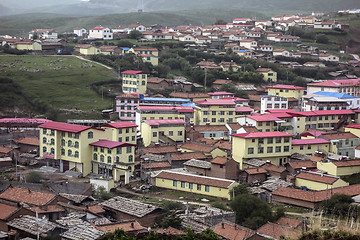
187,156
27,196
210,181
234,126
264,69
256,98
250,129
316,158
157,165
223,145
300,164
28,140
5,149
6,210
291,222
127,226
159,150
171,231
96,209
317,177
336,136
209,128
232,231
198,147
253,171
222,81
347,163
276,231
219,160
47,209
188,95
158,80
273,168
207,141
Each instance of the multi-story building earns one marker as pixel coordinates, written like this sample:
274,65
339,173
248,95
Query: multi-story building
43,34
310,146
185,113
214,111
269,74
218,95
329,101
342,143
100,33
263,123
134,81
267,146
166,130
150,55
348,86
69,146
269,102
126,106
286,91
121,132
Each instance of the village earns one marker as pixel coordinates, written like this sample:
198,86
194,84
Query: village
175,153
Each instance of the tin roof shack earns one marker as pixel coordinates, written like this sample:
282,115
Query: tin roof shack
198,166
28,144
121,208
294,167
178,159
226,168
29,226
83,230
253,176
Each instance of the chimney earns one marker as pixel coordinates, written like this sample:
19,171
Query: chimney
157,144
132,224
29,190
223,225
179,150
268,162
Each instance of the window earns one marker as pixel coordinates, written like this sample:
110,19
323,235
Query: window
120,131
69,153
62,134
120,139
250,150
199,187
309,147
95,157
90,135
213,120
52,133
190,185
133,138
69,143
102,149
222,113
128,149
171,133
260,150
143,82
301,147
206,112
213,113
180,133
109,159
270,140
44,150
267,123
44,140
269,149
182,184
63,152
95,148
205,120
69,134
154,134
261,140
174,183
131,158
222,120
286,148
52,151
260,124
76,154
118,150
76,136
44,131
278,140
207,188
101,158
278,149
76,144
286,139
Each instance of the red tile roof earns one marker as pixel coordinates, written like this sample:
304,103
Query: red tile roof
159,150
171,231
219,160
47,209
276,231
340,135
155,165
261,134
210,181
264,118
120,125
232,231
127,226
198,147
243,109
309,141
187,156
253,171
291,222
207,141
234,126
97,28
273,168
28,141
209,128
133,72
347,163
224,145
110,144
66,127
5,150
215,102
302,163
6,210
317,177
27,196
157,122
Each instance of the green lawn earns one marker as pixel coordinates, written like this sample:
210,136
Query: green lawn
63,82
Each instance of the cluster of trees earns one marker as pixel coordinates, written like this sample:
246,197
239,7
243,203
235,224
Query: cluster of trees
341,205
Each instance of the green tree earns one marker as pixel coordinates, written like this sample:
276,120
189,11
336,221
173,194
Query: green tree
171,220
34,177
251,211
338,204
239,189
135,34
220,22
322,38
101,193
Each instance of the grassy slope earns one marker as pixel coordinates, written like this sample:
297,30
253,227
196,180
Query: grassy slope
64,88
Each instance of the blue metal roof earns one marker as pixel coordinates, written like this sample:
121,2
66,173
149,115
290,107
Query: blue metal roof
242,51
166,99
335,94
125,48
267,96
188,104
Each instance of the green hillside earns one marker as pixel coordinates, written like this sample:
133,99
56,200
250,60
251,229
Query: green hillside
56,82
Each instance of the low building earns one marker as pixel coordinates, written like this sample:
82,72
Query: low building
209,151
269,102
253,175
318,181
100,33
210,186
225,168
286,91
342,143
310,146
269,74
178,159
340,168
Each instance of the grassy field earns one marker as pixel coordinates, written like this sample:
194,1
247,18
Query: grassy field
63,82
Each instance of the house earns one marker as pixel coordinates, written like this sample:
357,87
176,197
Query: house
318,181
249,43
218,95
208,131
199,167
222,167
9,212
202,40
29,45
166,130
178,159
232,231
148,54
271,146
121,208
328,57
324,25
80,31
263,123
277,232
275,171
310,146
339,168
43,34
215,187
313,102
191,96
110,50
296,166
241,20
134,81
281,52
87,49
342,143
121,131
269,102
229,66
253,175
286,91
28,144
209,151
220,82
245,53
138,27
159,83
100,33
265,48
286,38
126,106
214,111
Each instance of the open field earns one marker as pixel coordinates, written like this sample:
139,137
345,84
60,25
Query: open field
63,82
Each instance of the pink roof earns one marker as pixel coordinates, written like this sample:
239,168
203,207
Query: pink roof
215,102
157,122
290,87
24,120
322,112
309,141
261,134
337,83
237,99
281,115
265,118
220,93
110,144
241,19
119,125
312,133
134,72
243,109
65,127
167,108
97,28
356,126
279,110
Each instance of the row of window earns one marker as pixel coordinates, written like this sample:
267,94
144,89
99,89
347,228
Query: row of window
109,150
127,139
269,149
143,76
222,113
191,185
161,118
122,114
276,105
222,120
270,140
116,159
171,133
320,118
143,83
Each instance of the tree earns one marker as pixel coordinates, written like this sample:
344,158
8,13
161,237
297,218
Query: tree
239,189
171,220
34,177
338,204
322,38
220,22
251,211
135,34
101,193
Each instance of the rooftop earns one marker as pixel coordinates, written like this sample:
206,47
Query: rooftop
215,102
198,163
220,93
335,94
315,177
336,83
322,113
159,149
6,211
302,163
219,160
275,231
261,134
118,125
157,122
187,156
228,230
28,196
198,147
65,127
309,141
288,87
253,171
127,226
110,144
30,225
133,72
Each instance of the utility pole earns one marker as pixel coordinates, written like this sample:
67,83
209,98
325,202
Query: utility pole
205,79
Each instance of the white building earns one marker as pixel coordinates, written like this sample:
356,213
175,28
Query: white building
100,33
328,57
43,34
80,31
248,43
269,102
